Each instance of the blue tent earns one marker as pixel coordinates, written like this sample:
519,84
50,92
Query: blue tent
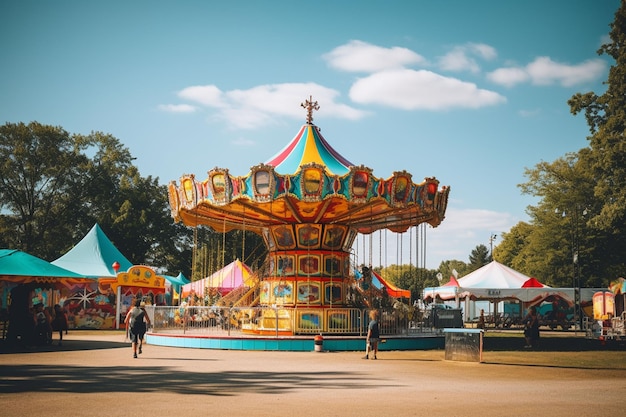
94,256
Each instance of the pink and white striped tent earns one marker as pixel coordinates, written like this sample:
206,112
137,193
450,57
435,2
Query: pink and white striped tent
233,275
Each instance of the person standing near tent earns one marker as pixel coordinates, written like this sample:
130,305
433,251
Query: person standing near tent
59,323
373,335
531,328
135,321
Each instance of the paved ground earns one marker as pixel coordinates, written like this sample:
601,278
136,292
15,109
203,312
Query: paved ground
95,375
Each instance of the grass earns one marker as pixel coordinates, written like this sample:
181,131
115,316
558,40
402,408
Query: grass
558,349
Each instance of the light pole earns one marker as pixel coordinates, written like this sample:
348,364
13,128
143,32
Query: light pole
492,238
577,214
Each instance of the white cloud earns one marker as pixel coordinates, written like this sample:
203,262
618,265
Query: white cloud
508,76
358,56
545,71
260,105
177,108
207,95
461,58
410,90
483,50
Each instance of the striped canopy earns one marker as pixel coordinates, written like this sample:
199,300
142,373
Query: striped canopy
233,275
309,146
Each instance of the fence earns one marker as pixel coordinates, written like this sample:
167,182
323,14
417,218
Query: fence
216,320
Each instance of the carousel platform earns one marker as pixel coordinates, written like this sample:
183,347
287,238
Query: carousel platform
422,341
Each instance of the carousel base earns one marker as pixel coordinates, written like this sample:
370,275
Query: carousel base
426,341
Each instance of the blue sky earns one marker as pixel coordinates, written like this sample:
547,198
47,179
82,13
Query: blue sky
471,92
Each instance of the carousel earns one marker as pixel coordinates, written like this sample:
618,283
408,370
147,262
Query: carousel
309,203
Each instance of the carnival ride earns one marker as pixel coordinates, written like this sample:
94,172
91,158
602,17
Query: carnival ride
308,203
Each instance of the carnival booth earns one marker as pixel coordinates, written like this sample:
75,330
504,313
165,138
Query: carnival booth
609,317
27,281
139,282
115,281
504,289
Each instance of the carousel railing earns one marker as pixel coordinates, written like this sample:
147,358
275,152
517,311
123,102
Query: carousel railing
215,320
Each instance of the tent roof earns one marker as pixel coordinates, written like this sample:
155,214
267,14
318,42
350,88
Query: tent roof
533,283
309,146
17,263
93,256
232,276
179,279
493,275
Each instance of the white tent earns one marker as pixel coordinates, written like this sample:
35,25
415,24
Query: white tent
496,282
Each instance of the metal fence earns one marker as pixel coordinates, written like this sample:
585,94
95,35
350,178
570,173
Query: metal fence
216,320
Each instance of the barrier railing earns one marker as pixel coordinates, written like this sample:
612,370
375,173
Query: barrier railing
216,320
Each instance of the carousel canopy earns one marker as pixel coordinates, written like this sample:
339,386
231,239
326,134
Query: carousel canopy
307,182
309,146
94,256
18,266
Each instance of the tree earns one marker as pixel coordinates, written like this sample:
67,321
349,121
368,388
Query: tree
40,169
479,257
410,277
52,193
447,268
607,123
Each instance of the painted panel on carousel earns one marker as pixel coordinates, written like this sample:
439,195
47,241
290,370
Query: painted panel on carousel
310,320
312,183
333,237
347,245
308,235
285,265
284,238
333,266
360,184
282,292
309,293
265,296
189,191
401,188
220,184
338,320
263,182
332,293
309,265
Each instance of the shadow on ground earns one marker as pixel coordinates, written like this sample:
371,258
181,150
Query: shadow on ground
84,380
68,345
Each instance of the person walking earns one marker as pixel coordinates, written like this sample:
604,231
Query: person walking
135,321
373,335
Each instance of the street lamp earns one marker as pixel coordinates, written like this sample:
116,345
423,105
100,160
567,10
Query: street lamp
575,233
492,238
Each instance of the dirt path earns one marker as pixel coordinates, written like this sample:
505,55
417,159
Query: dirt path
97,376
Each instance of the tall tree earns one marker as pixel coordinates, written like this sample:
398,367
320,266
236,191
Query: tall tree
40,168
607,123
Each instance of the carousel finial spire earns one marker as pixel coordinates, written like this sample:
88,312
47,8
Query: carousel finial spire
310,105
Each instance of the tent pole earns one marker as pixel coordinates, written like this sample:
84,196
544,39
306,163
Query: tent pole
118,306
